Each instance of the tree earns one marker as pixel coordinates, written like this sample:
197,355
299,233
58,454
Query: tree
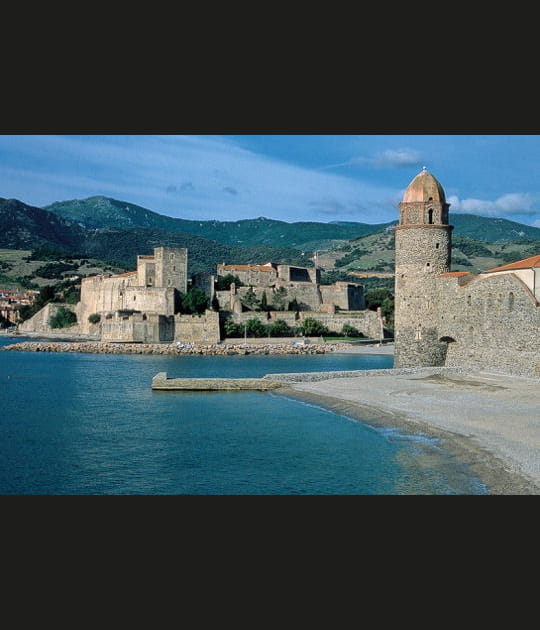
375,297
280,328
311,327
255,328
294,306
232,329
94,318
280,295
195,301
46,295
223,283
250,300
62,318
264,302
350,331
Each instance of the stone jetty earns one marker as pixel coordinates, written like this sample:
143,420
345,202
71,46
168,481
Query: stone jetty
176,348
162,382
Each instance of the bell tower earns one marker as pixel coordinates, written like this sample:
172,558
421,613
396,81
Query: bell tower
423,250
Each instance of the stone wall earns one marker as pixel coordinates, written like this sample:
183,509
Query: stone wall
422,254
366,322
490,322
137,327
171,268
197,328
39,323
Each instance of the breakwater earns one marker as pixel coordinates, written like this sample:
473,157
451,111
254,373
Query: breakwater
213,349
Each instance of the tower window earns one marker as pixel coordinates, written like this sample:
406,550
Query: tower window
437,245
430,216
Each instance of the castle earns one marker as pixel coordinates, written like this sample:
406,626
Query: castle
145,305
442,318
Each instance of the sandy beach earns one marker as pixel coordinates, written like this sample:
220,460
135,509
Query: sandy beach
489,420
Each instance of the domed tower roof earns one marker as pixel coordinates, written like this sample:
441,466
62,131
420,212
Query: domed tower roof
424,187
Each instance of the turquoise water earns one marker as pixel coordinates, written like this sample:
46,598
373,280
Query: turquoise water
90,424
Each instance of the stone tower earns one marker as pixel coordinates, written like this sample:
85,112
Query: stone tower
423,249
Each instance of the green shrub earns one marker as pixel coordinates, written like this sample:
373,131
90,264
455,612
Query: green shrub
280,328
311,327
350,331
63,318
94,318
255,328
231,329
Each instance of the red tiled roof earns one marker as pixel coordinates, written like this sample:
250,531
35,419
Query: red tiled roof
246,267
526,263
453,274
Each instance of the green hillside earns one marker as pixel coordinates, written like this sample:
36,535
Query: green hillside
103,212
29,228
375,253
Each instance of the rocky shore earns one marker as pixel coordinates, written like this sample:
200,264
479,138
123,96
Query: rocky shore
210,349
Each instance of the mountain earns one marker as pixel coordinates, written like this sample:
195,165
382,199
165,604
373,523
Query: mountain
27,227
104,212
121,246
492,230
478,242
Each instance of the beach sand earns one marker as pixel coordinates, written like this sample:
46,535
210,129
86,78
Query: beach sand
489,420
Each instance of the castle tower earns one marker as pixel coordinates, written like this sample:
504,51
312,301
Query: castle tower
423,250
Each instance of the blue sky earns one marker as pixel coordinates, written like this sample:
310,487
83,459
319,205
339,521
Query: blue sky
285,177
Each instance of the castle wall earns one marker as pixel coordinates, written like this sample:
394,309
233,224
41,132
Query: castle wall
102,293
344,295
39,323
137,327
171,268
250,275
197,328
367,321
148,299
146,271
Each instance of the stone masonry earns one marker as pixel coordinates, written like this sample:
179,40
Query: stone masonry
490,320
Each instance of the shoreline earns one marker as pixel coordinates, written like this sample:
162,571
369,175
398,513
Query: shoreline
486,420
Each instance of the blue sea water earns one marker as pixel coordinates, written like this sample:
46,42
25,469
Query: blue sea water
90,424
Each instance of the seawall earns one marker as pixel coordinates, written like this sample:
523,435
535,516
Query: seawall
98,347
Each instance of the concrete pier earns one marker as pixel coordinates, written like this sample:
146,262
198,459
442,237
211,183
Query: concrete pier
161,382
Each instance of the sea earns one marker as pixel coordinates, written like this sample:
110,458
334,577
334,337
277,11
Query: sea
90,424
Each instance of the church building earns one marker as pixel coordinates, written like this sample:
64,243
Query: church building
489,320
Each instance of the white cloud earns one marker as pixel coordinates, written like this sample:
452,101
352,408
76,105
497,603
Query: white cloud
509,204
397,158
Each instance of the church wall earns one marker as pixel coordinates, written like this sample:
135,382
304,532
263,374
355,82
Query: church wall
495,322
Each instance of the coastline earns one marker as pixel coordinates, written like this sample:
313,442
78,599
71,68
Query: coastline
487,420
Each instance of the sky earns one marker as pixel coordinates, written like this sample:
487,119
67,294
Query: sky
294,177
